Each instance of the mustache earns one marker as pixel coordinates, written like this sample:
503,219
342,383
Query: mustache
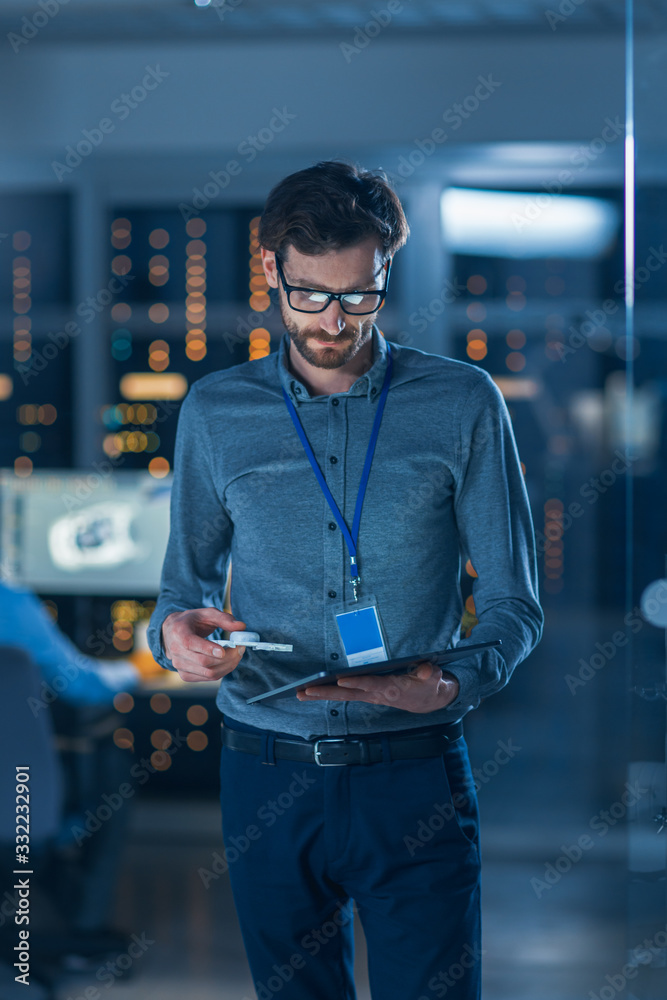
338,340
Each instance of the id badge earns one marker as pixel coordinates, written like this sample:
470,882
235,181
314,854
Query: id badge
361,633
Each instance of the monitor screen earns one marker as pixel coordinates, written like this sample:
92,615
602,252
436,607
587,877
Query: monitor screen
78,532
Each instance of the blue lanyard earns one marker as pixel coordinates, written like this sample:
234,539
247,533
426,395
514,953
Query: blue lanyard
350,537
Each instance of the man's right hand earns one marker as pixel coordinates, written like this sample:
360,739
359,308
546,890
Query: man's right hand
195,657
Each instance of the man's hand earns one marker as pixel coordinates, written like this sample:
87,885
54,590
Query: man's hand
424,689
193,656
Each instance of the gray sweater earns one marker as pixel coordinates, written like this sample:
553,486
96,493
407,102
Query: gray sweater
445,484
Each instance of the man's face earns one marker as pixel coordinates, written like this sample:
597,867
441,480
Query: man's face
330,338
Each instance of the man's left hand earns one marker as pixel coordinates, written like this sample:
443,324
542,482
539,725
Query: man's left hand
424,689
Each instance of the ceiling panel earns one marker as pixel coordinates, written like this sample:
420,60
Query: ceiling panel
181,20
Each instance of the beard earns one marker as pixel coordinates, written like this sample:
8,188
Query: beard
345,346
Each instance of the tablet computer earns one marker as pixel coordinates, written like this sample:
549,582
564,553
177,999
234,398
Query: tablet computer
402,665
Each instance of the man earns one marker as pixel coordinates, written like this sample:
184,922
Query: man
380,810
66,672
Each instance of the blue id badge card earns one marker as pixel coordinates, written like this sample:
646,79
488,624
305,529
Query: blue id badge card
361,633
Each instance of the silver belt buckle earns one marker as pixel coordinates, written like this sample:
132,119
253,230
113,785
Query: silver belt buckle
330,763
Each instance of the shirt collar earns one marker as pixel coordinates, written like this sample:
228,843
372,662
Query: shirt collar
369,384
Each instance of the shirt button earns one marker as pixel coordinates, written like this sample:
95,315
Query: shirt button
333,459
333,711
373,391
298,391
332,525
334,656
335,402
332,593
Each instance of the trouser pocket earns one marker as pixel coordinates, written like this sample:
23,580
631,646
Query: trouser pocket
460,784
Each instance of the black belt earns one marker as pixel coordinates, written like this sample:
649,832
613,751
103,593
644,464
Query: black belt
347,749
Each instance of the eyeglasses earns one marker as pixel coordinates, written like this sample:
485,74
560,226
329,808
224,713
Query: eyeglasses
314,300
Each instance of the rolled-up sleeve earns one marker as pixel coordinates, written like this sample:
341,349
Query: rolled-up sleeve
496,533
200,529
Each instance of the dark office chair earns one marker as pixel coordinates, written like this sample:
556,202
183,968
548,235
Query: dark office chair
70,757
27,743
27,740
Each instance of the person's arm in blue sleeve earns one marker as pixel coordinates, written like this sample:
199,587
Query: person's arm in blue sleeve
67,672
496,532
200,529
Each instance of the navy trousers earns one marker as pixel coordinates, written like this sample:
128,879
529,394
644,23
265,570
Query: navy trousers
397,841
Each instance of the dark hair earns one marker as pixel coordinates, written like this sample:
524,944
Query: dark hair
330,206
